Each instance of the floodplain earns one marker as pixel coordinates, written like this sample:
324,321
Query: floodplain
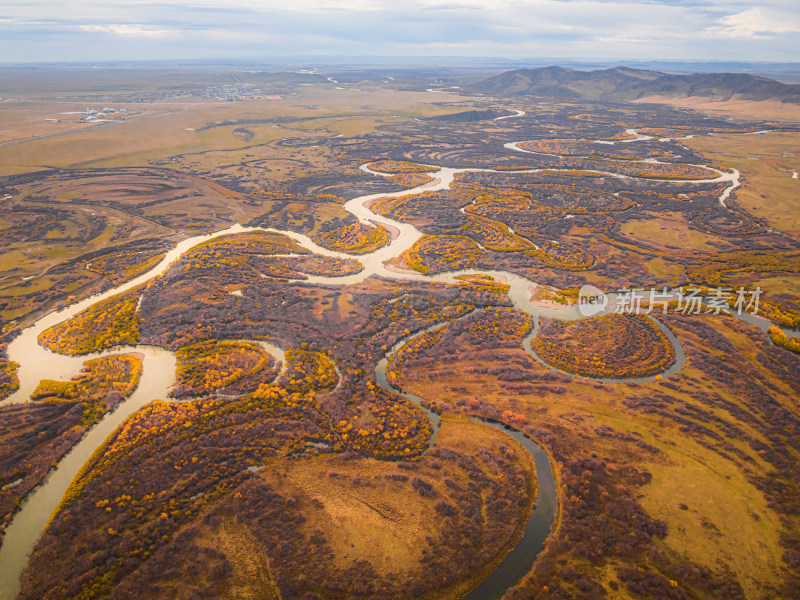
278,463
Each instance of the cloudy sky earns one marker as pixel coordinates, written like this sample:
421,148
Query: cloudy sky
78,30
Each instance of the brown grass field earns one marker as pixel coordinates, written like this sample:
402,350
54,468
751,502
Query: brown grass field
166,128
744,109
766,162
366,516
670,234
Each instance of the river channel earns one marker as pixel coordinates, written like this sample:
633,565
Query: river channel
521,557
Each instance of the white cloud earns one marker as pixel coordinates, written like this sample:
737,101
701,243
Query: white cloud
755,23
128,30
701,29
624,39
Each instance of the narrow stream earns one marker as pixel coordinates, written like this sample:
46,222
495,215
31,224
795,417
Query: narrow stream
519,560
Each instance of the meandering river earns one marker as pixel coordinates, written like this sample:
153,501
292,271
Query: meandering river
521,557
158,373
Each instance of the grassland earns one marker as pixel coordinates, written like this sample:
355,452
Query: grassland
743,109
167,128
670,233
767,162
165,168
50,248
391,533
347,521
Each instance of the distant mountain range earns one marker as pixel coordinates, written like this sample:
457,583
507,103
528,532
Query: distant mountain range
624,83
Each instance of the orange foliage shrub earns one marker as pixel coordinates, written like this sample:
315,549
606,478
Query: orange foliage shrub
354,238
486,286
123,266
109,323
612,346
495,235
99,378
307,370
410,180
320,265
236,251
211,366
9,383
397,166
414,347
388,426
500,325
254,242
779,338
449,251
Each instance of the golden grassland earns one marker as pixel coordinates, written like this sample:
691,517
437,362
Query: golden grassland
239,141
662,268
670,233
384,522
28,265
705,491
766,162
353,515
158,201
773,272
23,119
745,109
251,577
163,129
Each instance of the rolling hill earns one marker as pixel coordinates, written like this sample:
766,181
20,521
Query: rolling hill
623,84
